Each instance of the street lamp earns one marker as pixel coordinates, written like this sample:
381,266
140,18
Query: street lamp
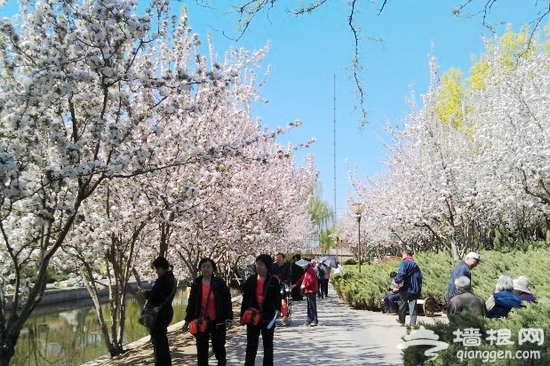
339,246
358,211
337,242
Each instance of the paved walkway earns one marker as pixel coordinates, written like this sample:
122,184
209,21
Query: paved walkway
343,337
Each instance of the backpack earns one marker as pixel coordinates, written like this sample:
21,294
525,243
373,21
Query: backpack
415,284
321,271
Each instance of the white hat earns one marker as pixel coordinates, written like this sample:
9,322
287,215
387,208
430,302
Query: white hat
473,255
522,284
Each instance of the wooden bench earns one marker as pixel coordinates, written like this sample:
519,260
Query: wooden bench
428,306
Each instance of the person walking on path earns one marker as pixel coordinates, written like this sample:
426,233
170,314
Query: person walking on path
261,292
471,260
310,287
162,293
281,269
210,299
409,280
296,275
323,272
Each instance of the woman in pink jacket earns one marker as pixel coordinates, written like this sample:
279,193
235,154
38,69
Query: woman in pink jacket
310,287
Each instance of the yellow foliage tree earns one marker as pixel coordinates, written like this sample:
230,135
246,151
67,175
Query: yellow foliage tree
453,90
450,95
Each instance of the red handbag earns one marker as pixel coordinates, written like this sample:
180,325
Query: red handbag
197,326
251,316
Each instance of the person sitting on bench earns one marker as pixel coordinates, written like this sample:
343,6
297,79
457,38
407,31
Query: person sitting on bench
390,300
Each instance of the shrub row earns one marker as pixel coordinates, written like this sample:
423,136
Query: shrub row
364,291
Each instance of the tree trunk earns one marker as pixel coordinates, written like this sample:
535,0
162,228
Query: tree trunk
454,251
7,348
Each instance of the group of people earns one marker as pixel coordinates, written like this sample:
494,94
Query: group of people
210,301
406,287
509,293
306,279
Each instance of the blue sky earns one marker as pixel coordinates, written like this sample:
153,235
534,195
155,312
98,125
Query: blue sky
309,52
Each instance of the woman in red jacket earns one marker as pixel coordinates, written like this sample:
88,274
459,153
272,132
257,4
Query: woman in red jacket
310,286
261,292
210,298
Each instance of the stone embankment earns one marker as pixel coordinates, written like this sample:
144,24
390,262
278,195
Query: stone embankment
62,294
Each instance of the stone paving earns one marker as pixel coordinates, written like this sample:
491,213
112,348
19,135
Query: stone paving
344,336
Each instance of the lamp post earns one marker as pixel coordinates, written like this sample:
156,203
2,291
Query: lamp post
358,211
339,246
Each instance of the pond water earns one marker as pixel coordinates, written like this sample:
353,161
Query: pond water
71,336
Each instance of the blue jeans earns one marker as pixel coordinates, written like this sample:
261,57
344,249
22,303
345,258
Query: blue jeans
389,302
311,308
410,301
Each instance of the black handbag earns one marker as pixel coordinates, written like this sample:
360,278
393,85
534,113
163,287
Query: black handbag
149,314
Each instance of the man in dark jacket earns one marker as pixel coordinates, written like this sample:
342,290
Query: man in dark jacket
409,280
471,260
281,268
296,274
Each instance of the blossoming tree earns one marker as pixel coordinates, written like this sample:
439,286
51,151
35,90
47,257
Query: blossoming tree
453,182
96,100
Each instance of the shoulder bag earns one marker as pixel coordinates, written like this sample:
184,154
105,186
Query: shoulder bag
149,314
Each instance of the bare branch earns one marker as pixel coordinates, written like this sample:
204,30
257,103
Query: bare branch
357,66
382,7
310,8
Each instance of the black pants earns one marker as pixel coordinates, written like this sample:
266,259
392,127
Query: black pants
216,333
160,346
252,339
323,287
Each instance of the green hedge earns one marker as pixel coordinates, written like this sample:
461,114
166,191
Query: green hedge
364,291
534,316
